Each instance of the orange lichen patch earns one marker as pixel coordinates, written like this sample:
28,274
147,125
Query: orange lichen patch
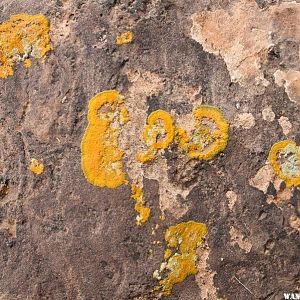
210,135
27,63
284,157
184,239
124,38
158,134
162,217
142,210
36,167
101,158
21,37
168,254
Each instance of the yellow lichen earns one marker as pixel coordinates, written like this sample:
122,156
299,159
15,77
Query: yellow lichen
158,134
36,167
162,217
184,239
210,135
142,210
21,37
101,157
124,38
27,63
168,254
284,157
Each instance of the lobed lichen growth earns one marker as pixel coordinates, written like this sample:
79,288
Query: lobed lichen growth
23,37
124,38
142,210
158,134
180,257
284,157
36,167
101,158
210,135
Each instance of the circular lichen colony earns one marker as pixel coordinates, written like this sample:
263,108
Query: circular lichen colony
158,134
284,157
210,135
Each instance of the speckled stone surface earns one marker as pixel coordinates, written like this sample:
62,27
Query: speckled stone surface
63,238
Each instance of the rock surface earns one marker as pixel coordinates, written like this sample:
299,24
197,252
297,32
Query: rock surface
63,238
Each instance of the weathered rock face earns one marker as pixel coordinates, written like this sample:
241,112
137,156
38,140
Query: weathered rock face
64,238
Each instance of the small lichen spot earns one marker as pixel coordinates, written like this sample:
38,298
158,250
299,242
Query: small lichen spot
124,38
36,167
141,209
27,63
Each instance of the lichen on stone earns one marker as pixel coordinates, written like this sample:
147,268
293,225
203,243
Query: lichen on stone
284,157
36,167
158,134
210,135
180,257
124,38
23,37
101,156
141,209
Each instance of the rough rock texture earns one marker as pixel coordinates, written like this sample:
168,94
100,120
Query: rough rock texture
62,238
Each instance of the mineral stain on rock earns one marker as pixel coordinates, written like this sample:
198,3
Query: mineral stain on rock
101,157
23,37
4,186
180,257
